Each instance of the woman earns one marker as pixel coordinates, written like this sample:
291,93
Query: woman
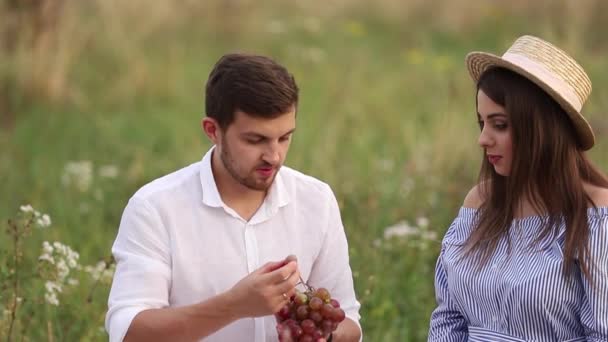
527,257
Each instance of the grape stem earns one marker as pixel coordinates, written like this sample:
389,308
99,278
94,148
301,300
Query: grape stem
308,287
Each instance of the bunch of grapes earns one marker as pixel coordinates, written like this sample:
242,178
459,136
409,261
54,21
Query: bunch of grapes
310,316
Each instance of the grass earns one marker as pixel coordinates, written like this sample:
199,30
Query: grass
386,118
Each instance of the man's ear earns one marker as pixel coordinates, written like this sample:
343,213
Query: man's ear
212,129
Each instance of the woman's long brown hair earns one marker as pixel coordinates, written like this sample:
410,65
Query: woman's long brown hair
548,169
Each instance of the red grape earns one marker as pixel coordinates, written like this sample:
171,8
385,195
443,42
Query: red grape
323,294
310,315
315,303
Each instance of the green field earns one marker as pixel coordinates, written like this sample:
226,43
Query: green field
386,118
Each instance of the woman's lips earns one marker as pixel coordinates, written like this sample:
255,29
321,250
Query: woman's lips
493,159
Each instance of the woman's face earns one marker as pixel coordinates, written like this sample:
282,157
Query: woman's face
495,136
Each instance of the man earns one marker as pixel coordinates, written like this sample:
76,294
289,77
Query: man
200,252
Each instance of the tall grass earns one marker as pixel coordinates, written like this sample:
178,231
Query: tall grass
386,118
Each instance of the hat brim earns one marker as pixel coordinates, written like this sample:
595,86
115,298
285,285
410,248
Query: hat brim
479,62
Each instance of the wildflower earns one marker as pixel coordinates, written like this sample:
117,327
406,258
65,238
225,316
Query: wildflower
78,174
422,222
101,271
400,229
47,257
52,287
429,235
26,208
51,298
47,248
108,171
43,221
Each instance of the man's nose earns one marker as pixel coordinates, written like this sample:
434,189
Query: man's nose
272,155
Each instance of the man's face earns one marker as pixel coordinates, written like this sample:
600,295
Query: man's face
252,149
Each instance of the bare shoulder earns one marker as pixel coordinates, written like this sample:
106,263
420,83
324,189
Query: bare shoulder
474,198
598,195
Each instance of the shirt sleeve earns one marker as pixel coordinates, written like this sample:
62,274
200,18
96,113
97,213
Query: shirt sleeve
331,268
143,274
447,323
594,311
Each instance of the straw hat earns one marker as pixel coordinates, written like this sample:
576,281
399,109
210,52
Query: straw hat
551,69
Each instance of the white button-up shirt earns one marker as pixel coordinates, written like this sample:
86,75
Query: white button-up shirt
179,244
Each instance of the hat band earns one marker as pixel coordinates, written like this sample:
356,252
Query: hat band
541,72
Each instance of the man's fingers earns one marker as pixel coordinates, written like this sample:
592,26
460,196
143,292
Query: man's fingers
270,267
288,285
281,274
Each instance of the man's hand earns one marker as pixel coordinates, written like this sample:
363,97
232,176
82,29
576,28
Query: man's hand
265,290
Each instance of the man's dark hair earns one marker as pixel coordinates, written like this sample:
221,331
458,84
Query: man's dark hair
256,85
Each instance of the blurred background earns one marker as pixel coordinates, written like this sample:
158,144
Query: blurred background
98,97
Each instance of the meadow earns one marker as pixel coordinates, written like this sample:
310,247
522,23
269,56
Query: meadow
109,95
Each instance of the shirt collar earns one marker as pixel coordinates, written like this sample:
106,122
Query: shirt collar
277,196
211,196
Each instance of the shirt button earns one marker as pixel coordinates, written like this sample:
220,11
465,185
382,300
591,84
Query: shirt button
494,318
494,266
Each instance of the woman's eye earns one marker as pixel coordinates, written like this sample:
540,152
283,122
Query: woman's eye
501,126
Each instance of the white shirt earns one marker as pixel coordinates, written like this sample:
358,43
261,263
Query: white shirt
179,244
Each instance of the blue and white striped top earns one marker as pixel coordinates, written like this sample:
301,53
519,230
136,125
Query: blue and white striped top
521,295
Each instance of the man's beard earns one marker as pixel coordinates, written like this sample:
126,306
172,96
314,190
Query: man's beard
249,182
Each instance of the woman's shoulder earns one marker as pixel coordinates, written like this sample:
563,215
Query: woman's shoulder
598,194
474,198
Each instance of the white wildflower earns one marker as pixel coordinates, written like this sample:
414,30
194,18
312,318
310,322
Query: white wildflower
47,257
62,269
51,298
422,222
26,208
429,235
46,247
108,273
73,282
96,272
108,171
78,174
400,229
44,221
52,286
